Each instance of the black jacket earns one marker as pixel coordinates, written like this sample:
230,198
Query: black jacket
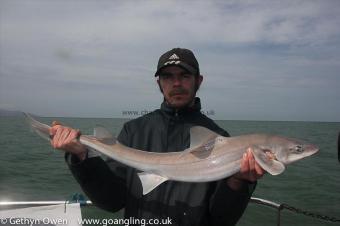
112,186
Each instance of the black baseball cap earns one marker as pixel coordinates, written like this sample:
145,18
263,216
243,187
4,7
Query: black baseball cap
184,58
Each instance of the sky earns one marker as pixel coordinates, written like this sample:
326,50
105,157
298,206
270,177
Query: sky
261,60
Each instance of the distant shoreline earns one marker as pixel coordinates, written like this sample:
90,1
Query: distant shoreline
8,113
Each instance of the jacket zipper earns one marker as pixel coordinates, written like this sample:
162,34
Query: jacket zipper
176,113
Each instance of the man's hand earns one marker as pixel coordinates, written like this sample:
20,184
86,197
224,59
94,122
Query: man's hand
250,171
65,138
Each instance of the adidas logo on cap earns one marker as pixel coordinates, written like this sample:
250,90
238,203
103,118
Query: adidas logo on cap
173,57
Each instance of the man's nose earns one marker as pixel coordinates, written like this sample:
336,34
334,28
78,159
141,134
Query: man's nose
177,80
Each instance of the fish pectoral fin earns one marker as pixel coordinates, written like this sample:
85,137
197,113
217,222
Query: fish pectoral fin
200,135
268,163
104,135
150,181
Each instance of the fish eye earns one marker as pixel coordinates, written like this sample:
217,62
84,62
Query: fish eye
298,148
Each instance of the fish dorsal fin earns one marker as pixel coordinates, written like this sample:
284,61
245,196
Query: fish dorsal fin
200,135
104,135
202,152
101,133
150,181
268,163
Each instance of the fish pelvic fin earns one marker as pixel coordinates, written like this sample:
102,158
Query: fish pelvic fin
200,135
267,161
150,181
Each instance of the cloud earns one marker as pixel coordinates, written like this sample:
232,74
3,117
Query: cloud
109,50
86,22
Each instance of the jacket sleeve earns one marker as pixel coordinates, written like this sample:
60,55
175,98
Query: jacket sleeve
104,182
226,205
105,189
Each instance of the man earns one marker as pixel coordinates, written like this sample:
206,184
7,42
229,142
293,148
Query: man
113,186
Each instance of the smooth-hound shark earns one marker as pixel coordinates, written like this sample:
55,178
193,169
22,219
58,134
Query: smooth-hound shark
210,156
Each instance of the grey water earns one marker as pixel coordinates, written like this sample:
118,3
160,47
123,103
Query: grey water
30,170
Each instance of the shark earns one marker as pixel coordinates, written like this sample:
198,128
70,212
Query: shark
210,156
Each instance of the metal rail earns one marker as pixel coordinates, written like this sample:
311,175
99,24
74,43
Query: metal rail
282,206
270,204
42,203
83,202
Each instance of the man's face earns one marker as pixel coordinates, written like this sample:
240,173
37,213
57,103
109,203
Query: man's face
178,86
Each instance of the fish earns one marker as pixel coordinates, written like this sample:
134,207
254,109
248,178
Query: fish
210,157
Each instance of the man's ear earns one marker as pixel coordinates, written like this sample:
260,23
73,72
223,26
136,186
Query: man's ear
200,79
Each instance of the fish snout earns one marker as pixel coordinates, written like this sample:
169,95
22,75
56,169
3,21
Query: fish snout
311,149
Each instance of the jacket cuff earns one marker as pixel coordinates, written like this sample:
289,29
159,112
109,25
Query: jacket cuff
246,190
72,159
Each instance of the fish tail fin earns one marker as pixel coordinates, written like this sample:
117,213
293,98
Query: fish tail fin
38,127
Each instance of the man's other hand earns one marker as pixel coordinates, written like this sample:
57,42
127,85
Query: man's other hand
65,138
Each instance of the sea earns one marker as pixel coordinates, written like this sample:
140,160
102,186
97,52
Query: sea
30,170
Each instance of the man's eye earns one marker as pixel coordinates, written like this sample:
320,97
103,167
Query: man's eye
186,76
165,76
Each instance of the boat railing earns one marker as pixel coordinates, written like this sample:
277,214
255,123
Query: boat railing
282,206
278,206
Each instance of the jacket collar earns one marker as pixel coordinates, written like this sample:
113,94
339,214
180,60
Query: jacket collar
187,110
